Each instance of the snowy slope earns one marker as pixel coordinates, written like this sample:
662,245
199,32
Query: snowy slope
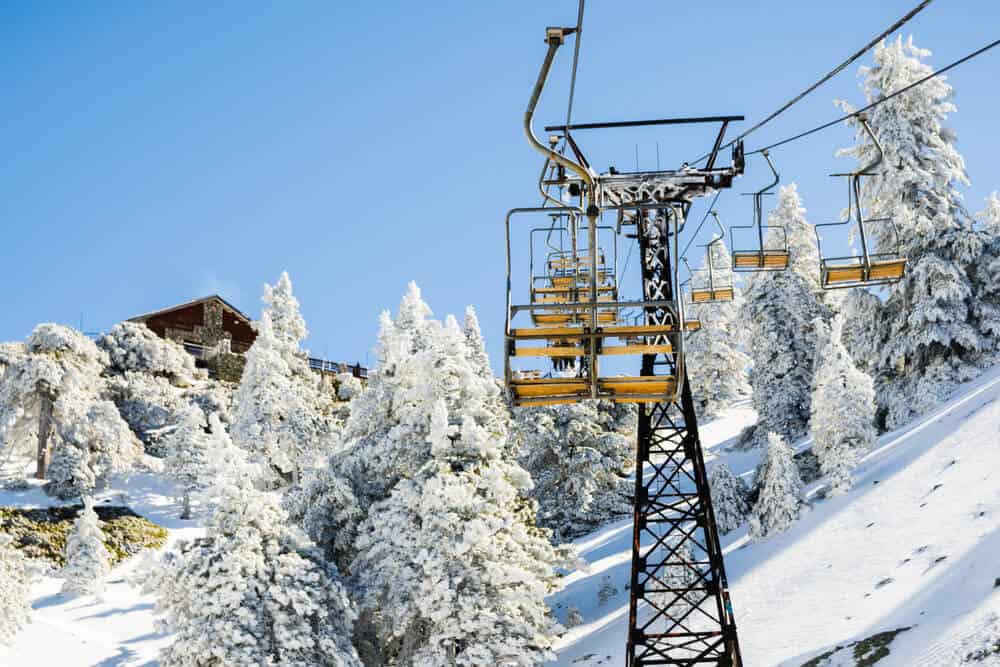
116,630
915,544
796,595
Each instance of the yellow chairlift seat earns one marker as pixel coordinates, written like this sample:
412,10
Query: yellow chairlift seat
642,389
708,295
568,290
603,317
566,298
624,389
854,272
692,325
757,259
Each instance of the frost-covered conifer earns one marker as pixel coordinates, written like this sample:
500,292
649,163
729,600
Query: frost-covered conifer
280,414
15,589
450,564
779,488
348,386
729,498
843,410
779,311
186,448
58,383
987,302
476,346
928,334
580,457
419,363
88,561
251,592
324,505
451,568
717,369
132,346
95,444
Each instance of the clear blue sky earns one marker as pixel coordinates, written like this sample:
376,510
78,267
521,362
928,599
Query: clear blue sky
157,152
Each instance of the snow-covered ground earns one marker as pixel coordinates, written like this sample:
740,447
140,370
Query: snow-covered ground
116,630
915,544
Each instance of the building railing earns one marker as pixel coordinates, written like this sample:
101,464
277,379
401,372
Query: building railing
323,365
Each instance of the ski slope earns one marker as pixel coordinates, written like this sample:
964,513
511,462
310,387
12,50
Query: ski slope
115,630
916,544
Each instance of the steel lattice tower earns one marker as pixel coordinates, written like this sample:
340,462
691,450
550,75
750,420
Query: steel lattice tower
679,609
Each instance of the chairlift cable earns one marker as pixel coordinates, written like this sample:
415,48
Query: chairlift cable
837,70
576,60
877,102
711,207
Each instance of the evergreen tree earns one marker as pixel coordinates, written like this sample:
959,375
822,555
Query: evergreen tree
717,369
16,577
280,413
88,561
52,405
133,347
187,449
779,313
452,571
729,498
419,363
779,488
251,592
988,271
843,410
448,560
928,333
476,346
580,457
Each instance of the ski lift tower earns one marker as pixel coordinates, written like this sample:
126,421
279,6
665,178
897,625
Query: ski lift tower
679,610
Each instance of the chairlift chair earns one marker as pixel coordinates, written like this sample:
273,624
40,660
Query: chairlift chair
575,332
711,284
869,268
762,258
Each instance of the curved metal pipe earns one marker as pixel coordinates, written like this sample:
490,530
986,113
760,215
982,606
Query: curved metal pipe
718,223
863,119
554,37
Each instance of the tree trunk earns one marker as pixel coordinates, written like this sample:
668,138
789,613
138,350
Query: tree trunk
44,435
186,510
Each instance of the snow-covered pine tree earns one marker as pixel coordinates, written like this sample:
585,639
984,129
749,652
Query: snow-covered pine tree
88,561
52,406
348,386
151,380
779,310
452,570
843,409
185,462
419,362
133,347
580,457
251,592
717,369
15,589
987,301
280,413
476,345
928,334
778,499
729,498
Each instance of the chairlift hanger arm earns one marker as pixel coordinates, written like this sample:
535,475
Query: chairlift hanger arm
554,37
